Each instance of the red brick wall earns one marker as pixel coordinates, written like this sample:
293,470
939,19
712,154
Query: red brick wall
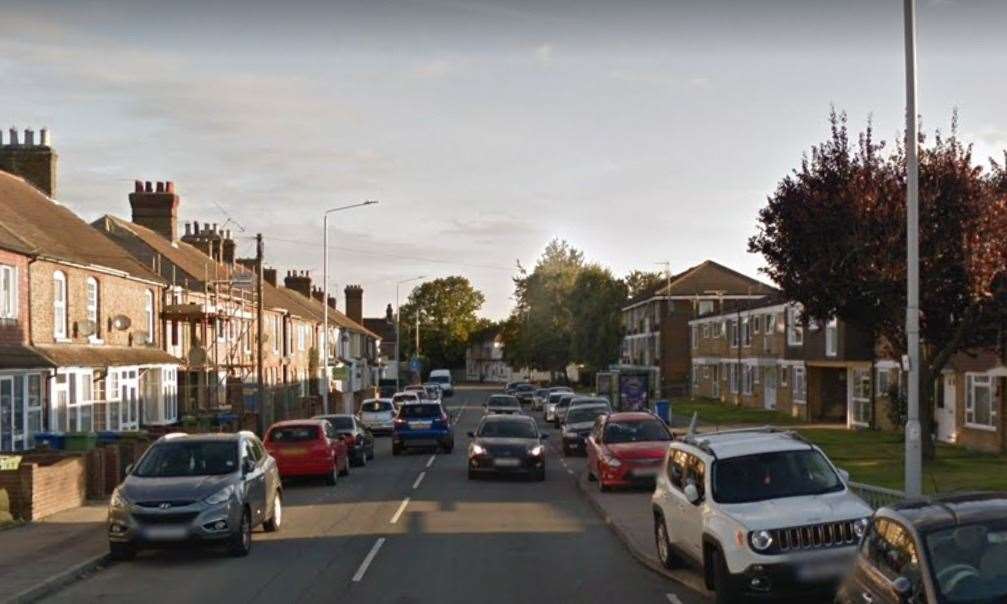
37,490
16,332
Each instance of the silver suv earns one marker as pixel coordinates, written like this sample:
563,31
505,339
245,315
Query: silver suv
762,511
210,488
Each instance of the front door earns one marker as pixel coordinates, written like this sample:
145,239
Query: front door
770,388
946,413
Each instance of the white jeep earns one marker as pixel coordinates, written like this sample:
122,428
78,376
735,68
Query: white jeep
761,511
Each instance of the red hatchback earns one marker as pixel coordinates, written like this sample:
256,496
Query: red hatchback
307,447
626,449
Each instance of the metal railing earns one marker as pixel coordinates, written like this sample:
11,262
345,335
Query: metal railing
876,497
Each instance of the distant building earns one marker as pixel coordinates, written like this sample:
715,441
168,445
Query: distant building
384,327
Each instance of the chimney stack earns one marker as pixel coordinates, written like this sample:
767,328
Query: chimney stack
34,162
354,302
332,302
156,210
389,315
317,294
299,282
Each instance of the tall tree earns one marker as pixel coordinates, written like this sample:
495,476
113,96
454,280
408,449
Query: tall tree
640,283
834,237
446,310
596,302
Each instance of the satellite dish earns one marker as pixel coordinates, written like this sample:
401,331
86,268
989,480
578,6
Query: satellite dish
121,322
86,328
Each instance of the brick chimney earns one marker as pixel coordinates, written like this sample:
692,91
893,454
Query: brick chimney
332,302
155,206
354,302
299,281
32,160
317,294
207,239
269,276
227,247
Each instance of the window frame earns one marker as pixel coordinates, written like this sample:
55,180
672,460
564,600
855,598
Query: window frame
832,337
60,307
970,403
93,307
9,306
795,328
799,394
148,309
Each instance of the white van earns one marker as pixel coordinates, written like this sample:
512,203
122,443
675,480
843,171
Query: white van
442,377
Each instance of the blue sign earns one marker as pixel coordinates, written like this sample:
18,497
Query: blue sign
416,365
633,391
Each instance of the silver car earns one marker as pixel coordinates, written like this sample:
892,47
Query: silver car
378,415
202,488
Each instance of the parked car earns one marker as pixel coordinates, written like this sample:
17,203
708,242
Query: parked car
210,488
946,549
762,512
422,425
525,393
502,404
625,449
359,440
549,410
559,410
442,377
539,399
511,387
401,398
504,444
378,415
578,425
308,448
583,401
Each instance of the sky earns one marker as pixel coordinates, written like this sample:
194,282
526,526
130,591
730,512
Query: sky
639,131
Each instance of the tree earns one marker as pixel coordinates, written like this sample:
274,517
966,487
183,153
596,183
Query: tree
640,283
596,302
834,237
446,309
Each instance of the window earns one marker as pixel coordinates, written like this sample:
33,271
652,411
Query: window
732,329
832,337
8,292
59,317
706,372
795,330
733,377
861,385
783,375
747,377
247,336
800,385
695,375
148,310
746,332
93,301
715,329
706,331
891,549
301,336
884,381
756,323
770,323
277,333
705,307
695,337
980,407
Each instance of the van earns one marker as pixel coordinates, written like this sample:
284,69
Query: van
442,377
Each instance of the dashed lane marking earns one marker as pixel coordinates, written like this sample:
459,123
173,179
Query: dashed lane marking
673,599
430,462
401,509
419,479
569,471
367,561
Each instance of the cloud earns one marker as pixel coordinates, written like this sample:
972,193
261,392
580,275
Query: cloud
544,55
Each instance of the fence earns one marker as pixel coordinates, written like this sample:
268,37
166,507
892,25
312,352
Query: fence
876,497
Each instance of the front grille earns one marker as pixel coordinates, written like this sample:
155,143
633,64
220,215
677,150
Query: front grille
166,518
179,503
506,451
815,536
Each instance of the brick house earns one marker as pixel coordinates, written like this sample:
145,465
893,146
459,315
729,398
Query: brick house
384,328
656,325
84,330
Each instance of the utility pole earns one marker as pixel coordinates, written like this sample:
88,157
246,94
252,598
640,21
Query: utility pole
258,322
914,450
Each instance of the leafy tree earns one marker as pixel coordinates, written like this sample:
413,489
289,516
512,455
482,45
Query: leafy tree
446,309
639,283
596,302
834,237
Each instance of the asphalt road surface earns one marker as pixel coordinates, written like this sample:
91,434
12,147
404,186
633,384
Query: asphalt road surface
408,529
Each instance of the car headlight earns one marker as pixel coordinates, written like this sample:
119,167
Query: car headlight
613,462
860,527
117,500
478,450
220,496
536,451
760,540
569,435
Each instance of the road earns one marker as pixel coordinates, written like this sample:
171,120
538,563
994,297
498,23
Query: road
408,529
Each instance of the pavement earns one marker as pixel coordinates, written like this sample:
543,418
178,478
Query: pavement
403,529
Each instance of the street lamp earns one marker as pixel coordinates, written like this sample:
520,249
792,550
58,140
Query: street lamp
398,338
325,296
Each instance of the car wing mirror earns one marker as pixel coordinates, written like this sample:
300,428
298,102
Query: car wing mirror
903,587
845,475
247,465
692,493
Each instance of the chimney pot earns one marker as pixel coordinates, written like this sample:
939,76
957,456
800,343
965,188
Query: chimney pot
206,226
147,187
159,186
169,186
138,186
29,137
188,229
13,136
43,136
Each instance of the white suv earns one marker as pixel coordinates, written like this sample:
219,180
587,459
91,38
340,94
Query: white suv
761,511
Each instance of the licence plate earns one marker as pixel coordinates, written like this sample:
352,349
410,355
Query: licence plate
645,472
295,451
507,462
166,533
420,425
822,571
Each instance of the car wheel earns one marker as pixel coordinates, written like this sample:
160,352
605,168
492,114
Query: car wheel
725,590
363,458
121,552
370,454
540,475
346,467
333,476
664,552
241,540
273,524
590,475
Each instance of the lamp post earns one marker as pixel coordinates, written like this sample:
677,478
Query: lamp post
325,296
398,337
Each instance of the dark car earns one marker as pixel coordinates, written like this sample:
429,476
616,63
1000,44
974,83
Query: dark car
204,488
507,444
525,393
502,404
512,387
359,440
561,407
422,425
578,425
942,550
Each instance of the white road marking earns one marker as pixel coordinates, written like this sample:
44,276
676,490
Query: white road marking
401,509
569,471
367,561
430,462
673,599
419,479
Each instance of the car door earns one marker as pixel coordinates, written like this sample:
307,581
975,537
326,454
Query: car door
270,473
593,445
255,483
888,552
685,526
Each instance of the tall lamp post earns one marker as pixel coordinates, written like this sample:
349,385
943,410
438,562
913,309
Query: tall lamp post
398,338
325,296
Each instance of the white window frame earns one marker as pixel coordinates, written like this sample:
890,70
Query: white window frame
148,309
746,332
884,381
770,323
747,378
800,392
860,399
756,323
974,382
8,292
784,370
706,372
301,336
60,317
705,307
706,331
795,330
93,299
695,337
832,337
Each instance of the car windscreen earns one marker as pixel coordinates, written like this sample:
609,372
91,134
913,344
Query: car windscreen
190,458
564,401
635,432
503,401
555,396
376,406
293,434
421,410
402,398
561,389
979,553
542,392
773,475
440,379
580,415
341,423
589,401
524,387
508,429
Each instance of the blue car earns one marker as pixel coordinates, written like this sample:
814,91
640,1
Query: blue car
422,425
